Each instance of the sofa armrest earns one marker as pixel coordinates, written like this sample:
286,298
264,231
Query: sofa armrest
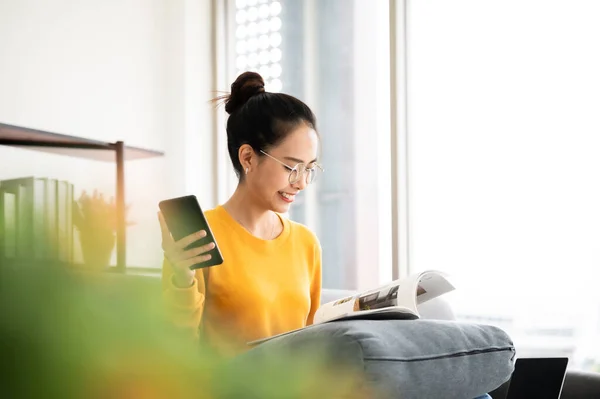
581,384
409,359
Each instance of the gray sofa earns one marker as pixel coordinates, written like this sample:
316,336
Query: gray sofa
578,384
432,358
408,359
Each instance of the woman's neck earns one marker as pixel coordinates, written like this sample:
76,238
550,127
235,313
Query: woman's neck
254,217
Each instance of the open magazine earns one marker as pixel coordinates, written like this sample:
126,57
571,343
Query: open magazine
396,300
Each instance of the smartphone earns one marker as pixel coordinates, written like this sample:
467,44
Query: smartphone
184,216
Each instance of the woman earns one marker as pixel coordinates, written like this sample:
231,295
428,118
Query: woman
270,281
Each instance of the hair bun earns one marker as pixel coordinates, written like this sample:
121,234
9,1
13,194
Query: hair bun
248,84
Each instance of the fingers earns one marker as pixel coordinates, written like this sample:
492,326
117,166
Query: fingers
175,250
194,261
197,251
185,241
164,230
176,255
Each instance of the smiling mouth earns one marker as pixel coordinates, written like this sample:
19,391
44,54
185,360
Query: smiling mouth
287,197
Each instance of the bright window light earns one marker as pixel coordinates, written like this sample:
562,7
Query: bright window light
263,11
252,14
240,16
252,59
275,70
264,26
240,32
252,29
264,58
241,47
275,85
263,42
275,39
275,24
241,62
252,44
258,40
275,55
265,71
275,8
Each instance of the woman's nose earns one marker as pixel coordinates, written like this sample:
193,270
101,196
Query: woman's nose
301,183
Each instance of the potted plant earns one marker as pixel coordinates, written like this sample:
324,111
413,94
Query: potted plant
96,220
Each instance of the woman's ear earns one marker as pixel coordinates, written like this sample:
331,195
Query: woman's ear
247,158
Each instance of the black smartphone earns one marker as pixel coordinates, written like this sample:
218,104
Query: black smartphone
184,216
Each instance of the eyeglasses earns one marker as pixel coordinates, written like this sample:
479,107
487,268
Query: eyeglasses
299,170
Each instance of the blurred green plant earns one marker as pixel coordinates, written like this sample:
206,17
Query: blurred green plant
69,334
95,212
96,220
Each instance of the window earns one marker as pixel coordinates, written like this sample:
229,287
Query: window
334,56
493,161
503,164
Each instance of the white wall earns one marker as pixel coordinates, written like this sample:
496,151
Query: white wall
111,70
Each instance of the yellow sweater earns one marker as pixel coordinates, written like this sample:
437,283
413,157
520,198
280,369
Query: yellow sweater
264,287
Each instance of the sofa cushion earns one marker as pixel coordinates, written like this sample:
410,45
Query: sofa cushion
411,358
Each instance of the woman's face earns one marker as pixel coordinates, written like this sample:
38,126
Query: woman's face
270,180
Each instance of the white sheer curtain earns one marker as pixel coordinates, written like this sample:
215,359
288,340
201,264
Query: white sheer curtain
503,128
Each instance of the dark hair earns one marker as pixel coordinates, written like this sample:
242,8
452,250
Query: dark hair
260,119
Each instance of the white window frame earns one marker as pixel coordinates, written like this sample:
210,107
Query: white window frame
399,140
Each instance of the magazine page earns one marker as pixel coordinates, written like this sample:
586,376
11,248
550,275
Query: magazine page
369,302
408,289
387,313
336,308
381,297
431,285
404,293
421,287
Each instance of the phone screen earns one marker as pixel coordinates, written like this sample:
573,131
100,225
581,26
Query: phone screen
184,216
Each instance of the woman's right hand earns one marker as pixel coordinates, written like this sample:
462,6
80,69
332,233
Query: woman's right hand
182,260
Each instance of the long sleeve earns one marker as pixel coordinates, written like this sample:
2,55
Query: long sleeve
184,305
316,285
262,288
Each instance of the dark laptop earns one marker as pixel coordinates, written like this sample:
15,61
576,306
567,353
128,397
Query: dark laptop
538,378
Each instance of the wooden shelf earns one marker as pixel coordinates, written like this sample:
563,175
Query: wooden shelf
62,144
39,140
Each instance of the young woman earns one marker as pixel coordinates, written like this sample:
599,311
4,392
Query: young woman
270,281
